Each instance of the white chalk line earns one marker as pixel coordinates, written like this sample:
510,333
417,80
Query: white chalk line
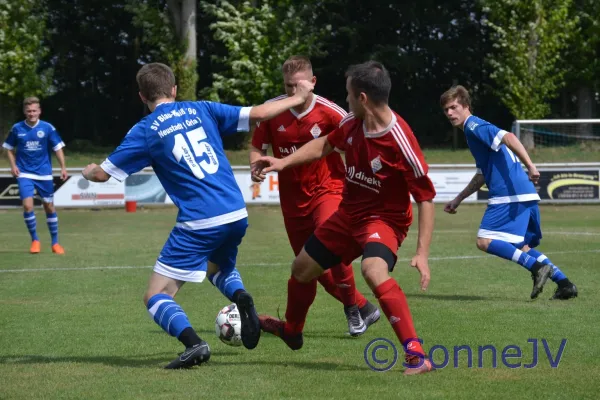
274,264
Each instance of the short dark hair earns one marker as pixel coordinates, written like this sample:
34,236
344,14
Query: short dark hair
296,64
155,80
458,93
373,79
31,100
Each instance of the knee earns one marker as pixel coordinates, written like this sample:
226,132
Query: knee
28,208
483,243
375,271
49,207
304,269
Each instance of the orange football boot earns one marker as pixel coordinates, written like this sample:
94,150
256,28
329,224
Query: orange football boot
58,249
36,247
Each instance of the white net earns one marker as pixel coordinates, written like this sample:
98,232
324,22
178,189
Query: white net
557,132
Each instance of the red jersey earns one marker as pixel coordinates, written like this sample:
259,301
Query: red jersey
382,170
288,132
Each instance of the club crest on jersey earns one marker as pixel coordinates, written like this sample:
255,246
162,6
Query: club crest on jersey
40,134
349,141
315,131
376,164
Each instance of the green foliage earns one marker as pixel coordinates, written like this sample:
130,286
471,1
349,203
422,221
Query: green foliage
23,37
258,40
159,36
529,37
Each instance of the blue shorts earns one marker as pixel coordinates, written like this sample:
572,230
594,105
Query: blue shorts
186,253
45,189
517,223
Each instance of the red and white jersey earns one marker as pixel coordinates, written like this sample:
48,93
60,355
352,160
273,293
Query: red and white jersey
289,131
382,170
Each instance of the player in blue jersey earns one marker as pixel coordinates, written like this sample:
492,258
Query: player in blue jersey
33,140
510,227
182,141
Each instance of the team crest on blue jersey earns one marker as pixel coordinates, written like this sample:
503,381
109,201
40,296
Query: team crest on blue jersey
40,134
472,125
315,131
376,164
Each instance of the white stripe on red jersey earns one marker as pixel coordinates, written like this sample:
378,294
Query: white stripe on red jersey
407,150
347,118
331,105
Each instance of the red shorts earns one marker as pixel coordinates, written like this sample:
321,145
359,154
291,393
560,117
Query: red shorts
347,239
299,229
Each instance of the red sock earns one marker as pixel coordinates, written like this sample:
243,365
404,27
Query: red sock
300,298
326,280
394,305
344,278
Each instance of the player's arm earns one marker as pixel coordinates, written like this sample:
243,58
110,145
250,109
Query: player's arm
476,183
274,108
10,145
426,224
512,142
60,156
12,159
313,150
131,156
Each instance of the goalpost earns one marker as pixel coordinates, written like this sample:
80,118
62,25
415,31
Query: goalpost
557,132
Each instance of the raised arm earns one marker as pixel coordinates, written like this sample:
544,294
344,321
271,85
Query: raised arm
274,108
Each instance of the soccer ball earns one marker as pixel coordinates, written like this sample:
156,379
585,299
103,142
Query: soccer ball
228,325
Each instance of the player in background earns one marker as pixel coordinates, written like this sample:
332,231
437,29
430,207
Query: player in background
182,141
33,140
310,193
510,227
384,166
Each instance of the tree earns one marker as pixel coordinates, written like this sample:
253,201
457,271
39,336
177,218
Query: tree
528,40
257,40
23,44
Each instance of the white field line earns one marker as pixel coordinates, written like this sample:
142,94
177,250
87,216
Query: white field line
274,264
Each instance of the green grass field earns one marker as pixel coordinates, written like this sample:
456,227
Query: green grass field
433,156
75,327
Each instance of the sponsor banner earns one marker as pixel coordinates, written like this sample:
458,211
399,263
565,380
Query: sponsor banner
449,183
564,184
73,192
79,192
10,195
145,188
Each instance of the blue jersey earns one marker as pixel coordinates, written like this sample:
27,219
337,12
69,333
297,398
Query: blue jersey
182,142
505,178
34,146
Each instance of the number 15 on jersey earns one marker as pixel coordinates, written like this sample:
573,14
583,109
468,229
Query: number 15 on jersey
200,148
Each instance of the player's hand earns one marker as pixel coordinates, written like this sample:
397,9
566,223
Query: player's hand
256,173
63,174
270,164
88,170
421,263
15,171
534,175
451,206
303,89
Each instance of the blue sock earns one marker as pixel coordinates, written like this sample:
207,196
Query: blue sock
52,220
511,253
168,314
228,284
31,224
557,274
